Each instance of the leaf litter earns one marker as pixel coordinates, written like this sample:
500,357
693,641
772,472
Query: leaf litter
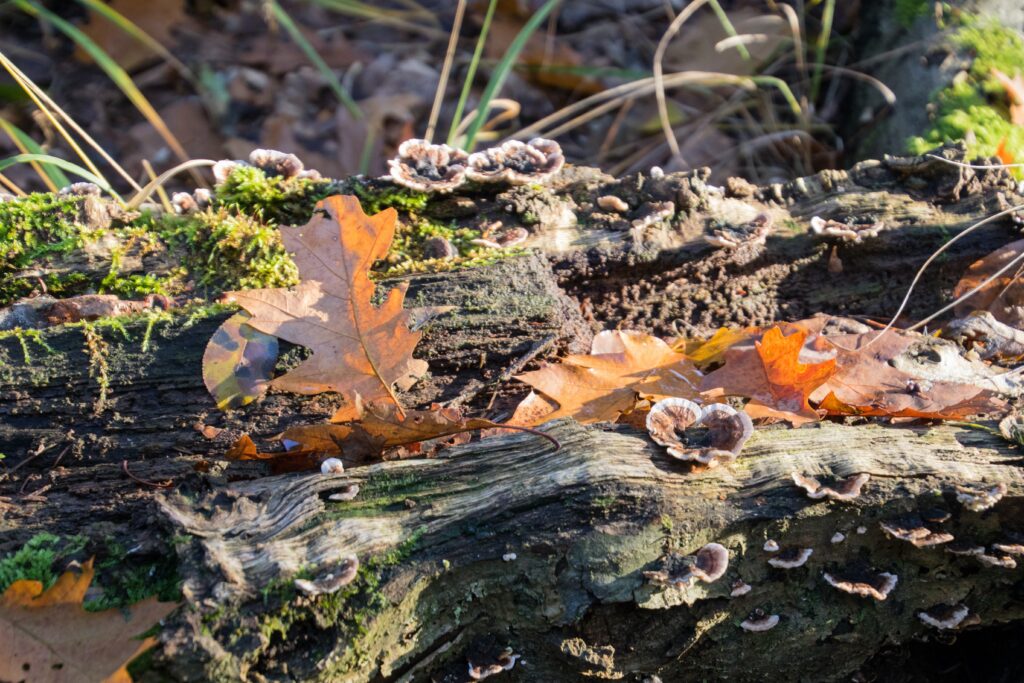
796,372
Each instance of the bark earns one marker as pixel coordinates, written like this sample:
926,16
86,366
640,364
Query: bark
583,522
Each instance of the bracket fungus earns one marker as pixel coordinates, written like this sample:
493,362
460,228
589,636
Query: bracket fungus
516,162
965,548
912,530
759,621
223,168
332,466
502,239
727,430
426,167
505,662
843,489
980,498
847,232
275,163
863,584
708,564
1001,560
944,617
347,493
770,546
653,213
739,588
791,558
610,202
332,581
838,537
732,237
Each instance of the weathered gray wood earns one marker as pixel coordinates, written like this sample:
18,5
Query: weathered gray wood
583,524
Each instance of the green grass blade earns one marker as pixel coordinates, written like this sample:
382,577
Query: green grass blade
503,68
314,57
727,26
52,172
60,163
113,70
821,46
467,85
130,28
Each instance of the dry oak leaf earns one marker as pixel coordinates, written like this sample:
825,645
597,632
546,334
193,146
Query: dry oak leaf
156,19
621,366
380,426
358,349
710,351
1004,296
1014,88
867,384
47,637
771,375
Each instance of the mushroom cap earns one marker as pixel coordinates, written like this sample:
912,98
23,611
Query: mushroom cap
791,558
332,466
770,546
979,499
759,621
1002,561
516,162
610,202
82,189
712,561
944,617
278,163
846,231
728,430
965,548
753,232
348,493
223,168
844,489
426,167
877,586
838,537
333,581
912,530
739,588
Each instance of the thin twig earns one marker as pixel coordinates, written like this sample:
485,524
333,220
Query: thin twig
157,485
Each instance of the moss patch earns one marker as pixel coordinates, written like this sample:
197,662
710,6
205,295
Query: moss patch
37,559
974,107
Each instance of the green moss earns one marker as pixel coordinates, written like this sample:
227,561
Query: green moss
226,249
37,559
376,196
908,11
125,582
974,106
279,201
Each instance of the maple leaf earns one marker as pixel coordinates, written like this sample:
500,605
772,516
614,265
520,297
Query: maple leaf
770,373
866,383
46,636
358,349
621,366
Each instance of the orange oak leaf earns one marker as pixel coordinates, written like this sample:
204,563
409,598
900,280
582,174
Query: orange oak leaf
46,636
621,366
770,373
1014,88
866,383
358,349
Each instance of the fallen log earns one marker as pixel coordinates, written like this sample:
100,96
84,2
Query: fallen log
109,433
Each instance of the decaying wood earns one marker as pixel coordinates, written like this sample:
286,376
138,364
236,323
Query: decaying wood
513,544
583,524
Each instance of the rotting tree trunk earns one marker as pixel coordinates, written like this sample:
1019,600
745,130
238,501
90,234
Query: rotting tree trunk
506,542
582,522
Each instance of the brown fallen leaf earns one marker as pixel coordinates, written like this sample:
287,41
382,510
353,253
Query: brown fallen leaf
47,637
380,426
1004,296
621,367
866,383
770,374
158,19
358,349
1014,88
